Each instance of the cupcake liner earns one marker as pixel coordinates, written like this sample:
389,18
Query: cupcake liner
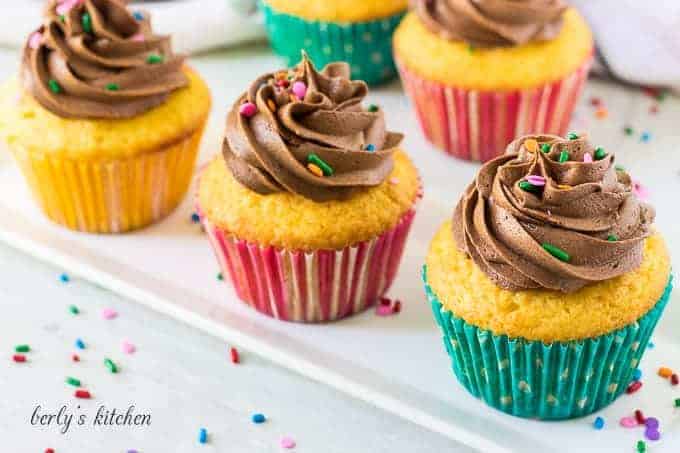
110,196
366,46
318,286
545,381
478,125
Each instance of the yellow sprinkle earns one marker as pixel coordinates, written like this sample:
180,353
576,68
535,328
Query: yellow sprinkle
281,75
293,98
563,187
531,145
271,105
316,170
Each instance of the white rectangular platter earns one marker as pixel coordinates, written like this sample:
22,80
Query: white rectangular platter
397,363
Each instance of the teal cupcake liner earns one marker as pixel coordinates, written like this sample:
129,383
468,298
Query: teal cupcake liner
366,46
546,381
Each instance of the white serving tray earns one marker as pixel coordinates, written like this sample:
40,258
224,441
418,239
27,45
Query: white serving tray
397,363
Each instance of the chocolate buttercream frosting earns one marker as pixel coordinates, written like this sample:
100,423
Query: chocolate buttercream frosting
493,23
97,59
306,132
552,213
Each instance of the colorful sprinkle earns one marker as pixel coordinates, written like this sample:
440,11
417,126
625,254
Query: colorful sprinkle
612,238
64,278
628,422
545,147
527,186
195,218
587,158
49,450
536,180
22,348
531,145
86,22
563,187
271,104
155,59
127,347
674,379
383,310
258,418
640,191
138,15
73,309
83,394
112,87
639,417
598,423
109,313
54,86
564,156
645,137
572,136
110,365
652,434
75,357
315,170
35,40
654,109
73,381
138,37
556,252
634,387
600,153
595,102
637,374
676,402
283,83
19,358
396,308
628,130
203,436
665,372
247,109
287,443
316,160
299,89
220,277
235,357
651,345
80,344
641,446
601,113
372,108
652,423
370,147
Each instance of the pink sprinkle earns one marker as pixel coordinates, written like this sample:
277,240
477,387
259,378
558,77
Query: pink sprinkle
35,40
394,181
128,347
587,158
139,37
383,310
67,5
248,109
536,180
640,191
109,313
628,422
300,89
287,442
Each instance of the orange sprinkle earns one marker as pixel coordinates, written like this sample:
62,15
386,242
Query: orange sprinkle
316,170
293,98
563,187
601,113
271,105
281,75
531,145
665,372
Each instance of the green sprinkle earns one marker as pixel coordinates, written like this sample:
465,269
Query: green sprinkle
110,365
62,18
628,130
86,22
154,59
527,186
564,156
572,136
471,48
112,87
73,309
677,402
545,147
600,153
612,238
316,160
220,277
54,86
73,381
557,252
372,108
22,348
662,95
641,446
619,168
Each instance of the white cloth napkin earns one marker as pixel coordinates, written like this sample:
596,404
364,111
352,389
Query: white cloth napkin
195,25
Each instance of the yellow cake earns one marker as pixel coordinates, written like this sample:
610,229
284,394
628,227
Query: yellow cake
541,314
339,10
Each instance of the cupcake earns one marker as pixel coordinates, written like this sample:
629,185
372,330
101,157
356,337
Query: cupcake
549,280
481,73
105,120
310,203
356,31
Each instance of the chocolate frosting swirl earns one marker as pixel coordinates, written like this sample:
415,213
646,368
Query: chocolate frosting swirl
95,59
585,208
269,151
493,23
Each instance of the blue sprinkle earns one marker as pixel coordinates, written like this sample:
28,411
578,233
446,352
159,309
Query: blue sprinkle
637,374
80,344
650,345
645,137
370,148
65,278
195,218
259,418
203,436
138,15
598,423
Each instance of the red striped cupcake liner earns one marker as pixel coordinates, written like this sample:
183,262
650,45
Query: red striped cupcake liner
311,287
478,125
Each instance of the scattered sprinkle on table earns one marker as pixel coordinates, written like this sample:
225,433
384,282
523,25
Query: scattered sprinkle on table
138,15
235,358
372,108
109,313
652,422
645,137
22,348
674,379
665,372
73,309
80,344
112,367
637,374
634,387
75,357
195,218
639,417
628,422
595,102
598,423
601,113
650,345
73,381
127,347
203,436
628,130
641,446
19,358
676,402
287,442
258,418
64,278
83,394
49,450
220,277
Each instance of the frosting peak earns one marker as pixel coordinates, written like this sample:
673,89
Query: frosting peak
306,132
552,213
492,23
96,59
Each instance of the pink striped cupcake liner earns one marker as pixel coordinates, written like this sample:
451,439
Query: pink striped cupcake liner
311,287
478,125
